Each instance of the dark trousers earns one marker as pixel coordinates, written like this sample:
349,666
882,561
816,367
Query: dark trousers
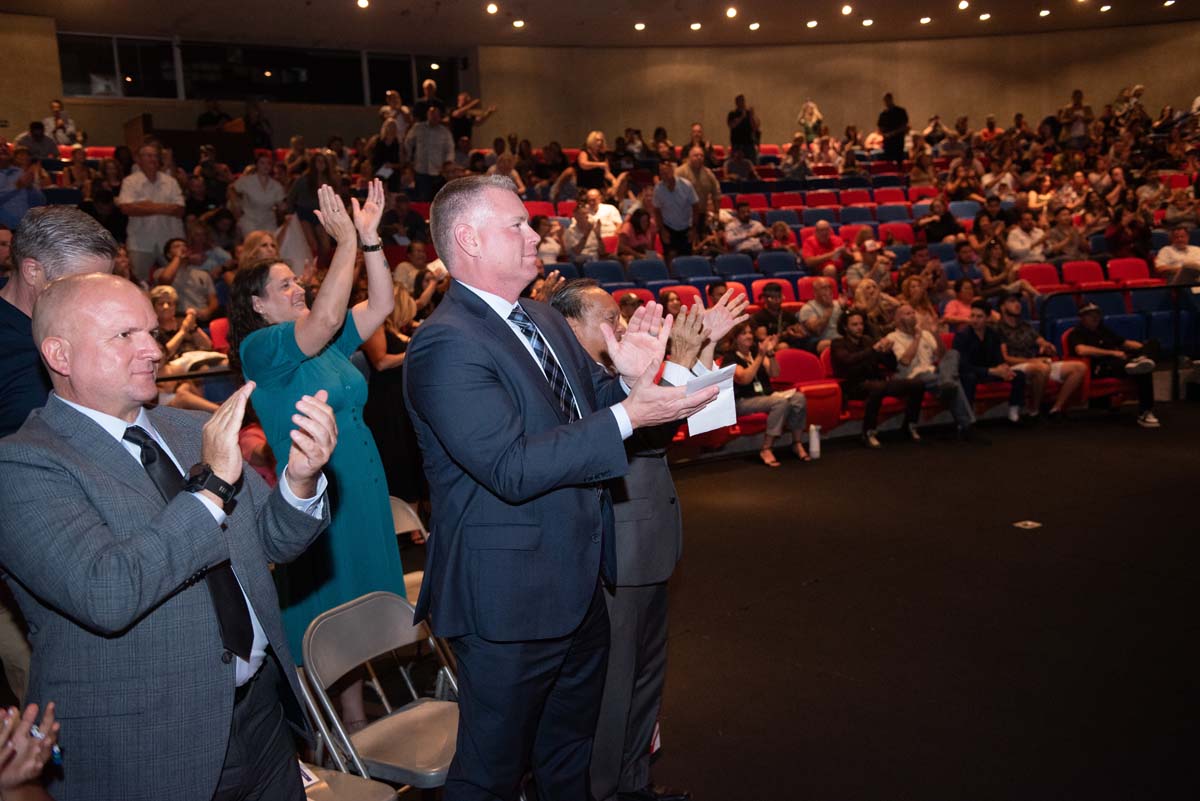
893,148
970,381
260,762
873,392
676,243
637,667
528,703
425,186
1112,367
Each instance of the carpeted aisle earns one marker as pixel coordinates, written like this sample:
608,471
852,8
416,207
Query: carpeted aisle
872,626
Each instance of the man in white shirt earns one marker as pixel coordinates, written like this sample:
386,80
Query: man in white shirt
606,215
821,314
677,211
744,234
154,204
1026,242
59,126
1179,262
583,239
922,356
430,145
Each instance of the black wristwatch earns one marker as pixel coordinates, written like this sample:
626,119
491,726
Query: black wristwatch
201,477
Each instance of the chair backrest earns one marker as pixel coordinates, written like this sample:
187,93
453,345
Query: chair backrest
536,207
789,216
604,271
851,196
890,194
218,331
405,518
903,253
821,197
688,295
780,200
1127,269
849,232
1077,272
1151,300
645,295
1039,274
566,208
1059,306
827,363
648,270
962,209
341,639
1109,302
920,209
756,201
776,261
917,192
1062,332
691,267
565,268
814,216
1129,326
942,251
893,212
856,214
789,295
728,264
899,231
797,366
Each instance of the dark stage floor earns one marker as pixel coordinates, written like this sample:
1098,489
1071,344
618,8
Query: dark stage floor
872,626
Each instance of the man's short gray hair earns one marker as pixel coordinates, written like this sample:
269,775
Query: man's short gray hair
455,202
56,237
571,298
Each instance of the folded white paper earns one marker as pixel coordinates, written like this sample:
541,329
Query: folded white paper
721,412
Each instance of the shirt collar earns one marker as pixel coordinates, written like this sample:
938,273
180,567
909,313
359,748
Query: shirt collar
496,303
115,426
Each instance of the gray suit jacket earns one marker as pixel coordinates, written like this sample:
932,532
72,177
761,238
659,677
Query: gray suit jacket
649,524
109,578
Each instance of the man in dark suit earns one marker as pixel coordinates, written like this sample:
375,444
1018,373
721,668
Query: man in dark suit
649,542
519,429
152,614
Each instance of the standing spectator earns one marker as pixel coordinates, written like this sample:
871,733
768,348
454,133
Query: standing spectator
39,144
304,198
1029,353
893,124
1113,356
981,360
429,100
821,315
591,165
744,234
19,189
1075,117
259,197
212,118
154,204
677,211
466,115
744,128
921,355
702,179
756,366
429,145
809,121
1026,242
258,126
59,126
1178,262
864,365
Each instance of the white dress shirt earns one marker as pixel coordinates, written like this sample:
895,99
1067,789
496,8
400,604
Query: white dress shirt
503,308
314,507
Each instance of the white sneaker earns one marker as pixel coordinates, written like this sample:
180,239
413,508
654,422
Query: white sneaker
1139,366
1148,420
1014,414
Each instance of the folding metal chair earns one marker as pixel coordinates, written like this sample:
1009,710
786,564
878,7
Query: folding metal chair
412,745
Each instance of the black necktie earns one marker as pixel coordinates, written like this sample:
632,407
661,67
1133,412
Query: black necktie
233,616
550,366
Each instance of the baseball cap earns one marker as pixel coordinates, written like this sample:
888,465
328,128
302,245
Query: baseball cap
1088,308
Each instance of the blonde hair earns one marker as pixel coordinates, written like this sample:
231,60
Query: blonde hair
405,310
593,139
250,245
163,292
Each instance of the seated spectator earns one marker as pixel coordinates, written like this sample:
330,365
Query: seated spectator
506,165
6,237
78,175
756,366
1041,195
771,319
196,202
190,267
583,239
875,263
879,307
1182,211
1002,183
1113,356
820,315
672,303
1179,262
1153,193
939,224
629,303
550,246
965,185
416,260
864,364
1026,242
957,313
39,145
635,238
782,238
823,252
401,224
745,234
1128,235
1096,215
605,214
1027,352
968,261
794,166
1065,240
59,126
103,209
921,356
999,275
981,360
850,165
178,335
20,189
739,168
923,173
715,292
914,292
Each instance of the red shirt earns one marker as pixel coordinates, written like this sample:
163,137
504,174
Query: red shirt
812,248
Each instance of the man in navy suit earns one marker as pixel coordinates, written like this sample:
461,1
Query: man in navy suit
520,429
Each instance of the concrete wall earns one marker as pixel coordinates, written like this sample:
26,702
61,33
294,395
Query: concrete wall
562,93
29,72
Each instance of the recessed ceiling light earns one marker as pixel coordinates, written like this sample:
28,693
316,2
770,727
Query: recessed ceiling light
1169,3
984,17
435,66
492,8
731,12
364,3
695,26
1045,12
847,10
129,79
963,5
812,23
926,20
754,26
518,23
639,26
1105,8
867,23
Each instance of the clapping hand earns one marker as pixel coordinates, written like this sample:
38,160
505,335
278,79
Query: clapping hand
313,441
687,335
643,343
219,447
366,218
23,756
725,315
333,215
551,285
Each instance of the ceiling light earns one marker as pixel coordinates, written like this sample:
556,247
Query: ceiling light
867,23
963,5
984,17
695,26
754,26
435,66
128,79
847,10
518,23
1105,8
492,8
364,3
1169,3
926,20
812,23
639,26
266,73
731,12
1045,12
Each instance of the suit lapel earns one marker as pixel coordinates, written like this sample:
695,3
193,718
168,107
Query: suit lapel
94,443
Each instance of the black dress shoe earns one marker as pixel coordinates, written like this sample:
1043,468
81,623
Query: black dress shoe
652,793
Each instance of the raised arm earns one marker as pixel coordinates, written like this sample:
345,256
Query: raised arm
370,313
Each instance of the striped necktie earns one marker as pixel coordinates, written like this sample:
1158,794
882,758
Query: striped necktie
554,374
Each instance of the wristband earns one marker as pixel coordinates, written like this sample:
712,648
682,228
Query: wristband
372,248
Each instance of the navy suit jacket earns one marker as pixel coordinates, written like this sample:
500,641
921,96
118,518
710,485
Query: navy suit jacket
521,520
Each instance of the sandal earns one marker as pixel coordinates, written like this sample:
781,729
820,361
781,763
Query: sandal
768,457
801,454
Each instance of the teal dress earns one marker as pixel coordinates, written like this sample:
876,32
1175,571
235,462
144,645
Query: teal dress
358,553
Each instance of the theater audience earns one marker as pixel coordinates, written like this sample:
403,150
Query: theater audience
677,211
550,246
1110,355
1026,242
922,356
878,306
628,304
957,312
756,366
1128,235
874,262
824,251
864,364
1065,240
939,224
1182,211
635,237
821,315
745,233
20,186
429,145
1026,351
744,127
583,240
154,204
259,198
771,319
35,140
1179,262
981,360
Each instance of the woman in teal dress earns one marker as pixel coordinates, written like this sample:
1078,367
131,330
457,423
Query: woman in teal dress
290,350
